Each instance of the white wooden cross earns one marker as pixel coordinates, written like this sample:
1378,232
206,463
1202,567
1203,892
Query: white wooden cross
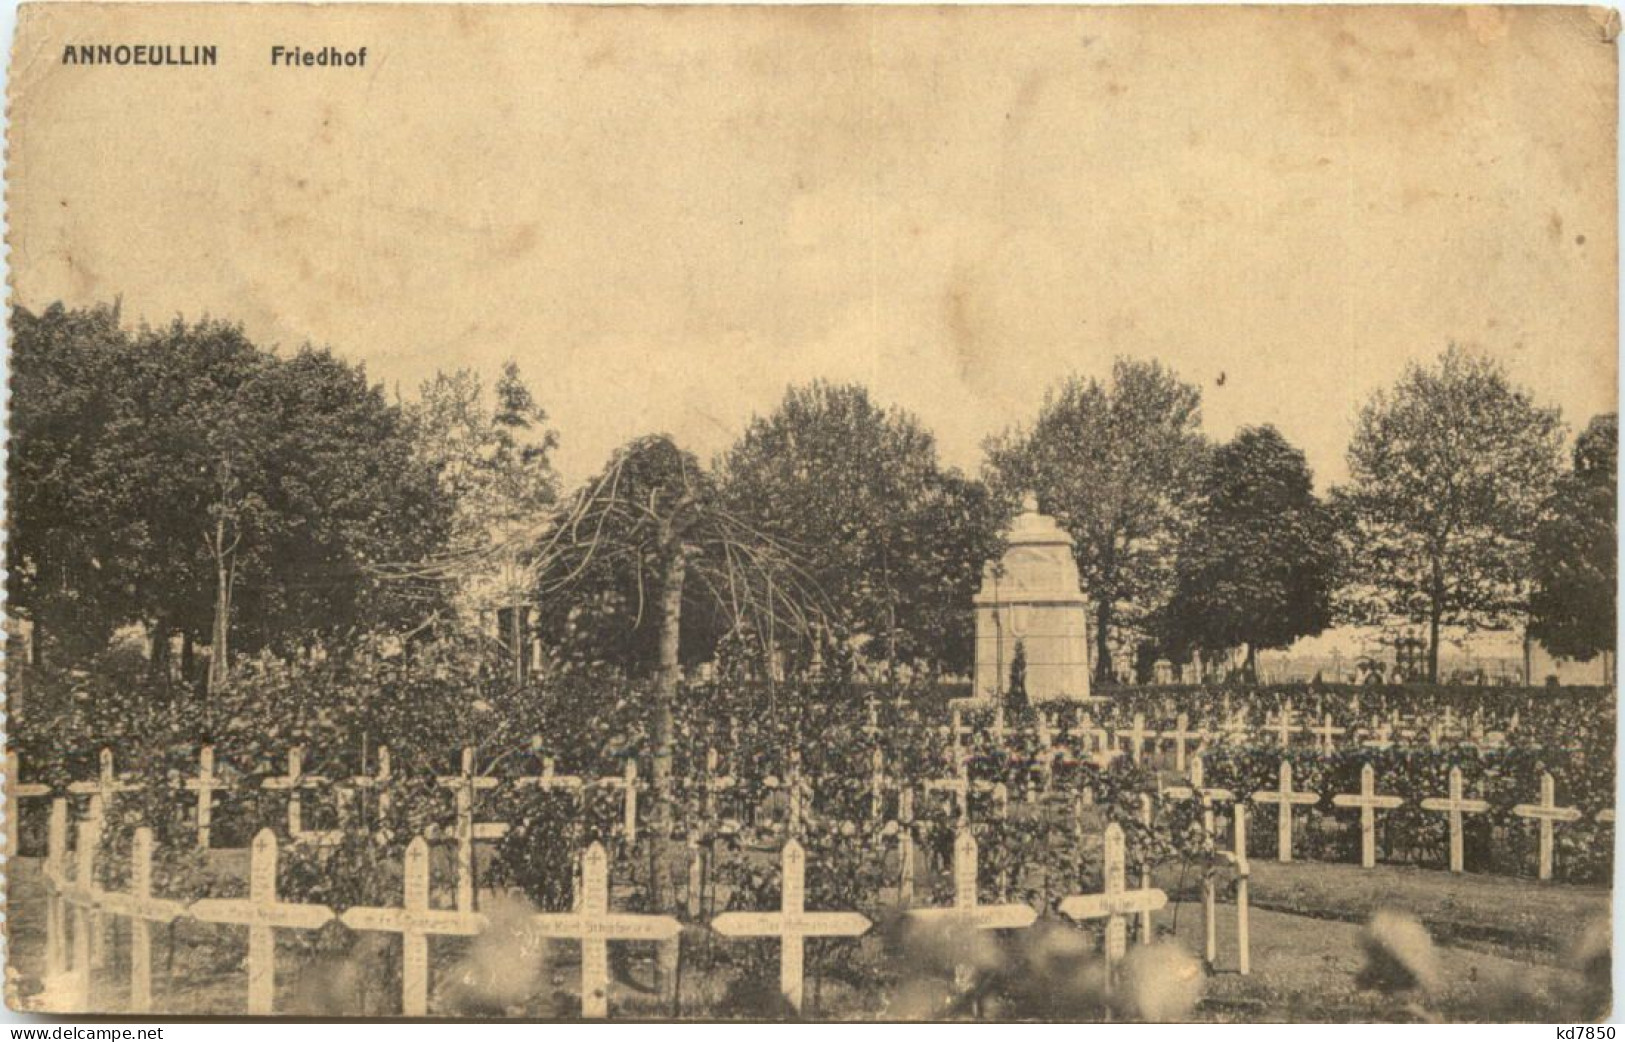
15,784
966,913
905,847
957,729
872,728
295,780
142,909
101,793
465,786
1285,799
1198,790
1180,735
263,914
1136,736
1117,902
1244,944
1400,726
1044,729
377,784
56,863
550,779
205,785
792,924
1235,725
1369,803
877,783
1455,806
17,789
1236,860
715,782
959,785
594,925
103,790
1382,736
1282,723
1147,816
1548,813
415,921
85,895
1105,756
1327,734
1094,737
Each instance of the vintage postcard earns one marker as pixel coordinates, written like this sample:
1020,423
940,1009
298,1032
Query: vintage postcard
834,513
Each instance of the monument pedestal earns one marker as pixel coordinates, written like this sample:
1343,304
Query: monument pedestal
1032,596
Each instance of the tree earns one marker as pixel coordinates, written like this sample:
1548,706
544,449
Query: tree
1258,567
1016,697
855,493
1118,465
185,479
952,530
71,541
647,532
493,465
1573,606
1449,471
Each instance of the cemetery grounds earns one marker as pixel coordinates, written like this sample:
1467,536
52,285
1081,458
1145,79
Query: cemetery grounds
1512,935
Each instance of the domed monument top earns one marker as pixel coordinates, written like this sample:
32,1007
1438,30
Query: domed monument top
1030,528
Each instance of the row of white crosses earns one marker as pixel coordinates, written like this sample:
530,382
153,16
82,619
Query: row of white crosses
1281,726
467,784
263,913
792,923
1456,804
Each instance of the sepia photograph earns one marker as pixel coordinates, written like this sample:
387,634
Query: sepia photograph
819,513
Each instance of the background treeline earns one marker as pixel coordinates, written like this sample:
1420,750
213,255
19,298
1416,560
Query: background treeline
227,499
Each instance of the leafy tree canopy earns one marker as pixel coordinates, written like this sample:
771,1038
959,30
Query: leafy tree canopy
1258,567
1576,557
147,463
855,494
1119,465
1449,472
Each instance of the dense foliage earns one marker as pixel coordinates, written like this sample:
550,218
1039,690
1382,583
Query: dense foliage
183,479
1572,609
1259,565
1449,473
1119,465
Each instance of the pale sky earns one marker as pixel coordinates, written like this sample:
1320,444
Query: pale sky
667,215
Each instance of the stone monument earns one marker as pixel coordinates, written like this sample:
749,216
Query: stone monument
1033,595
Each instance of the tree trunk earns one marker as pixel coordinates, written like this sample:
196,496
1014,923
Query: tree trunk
1435,617
1433,644
219,652
516,640
671,669
158,661
1103,652
1250,667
